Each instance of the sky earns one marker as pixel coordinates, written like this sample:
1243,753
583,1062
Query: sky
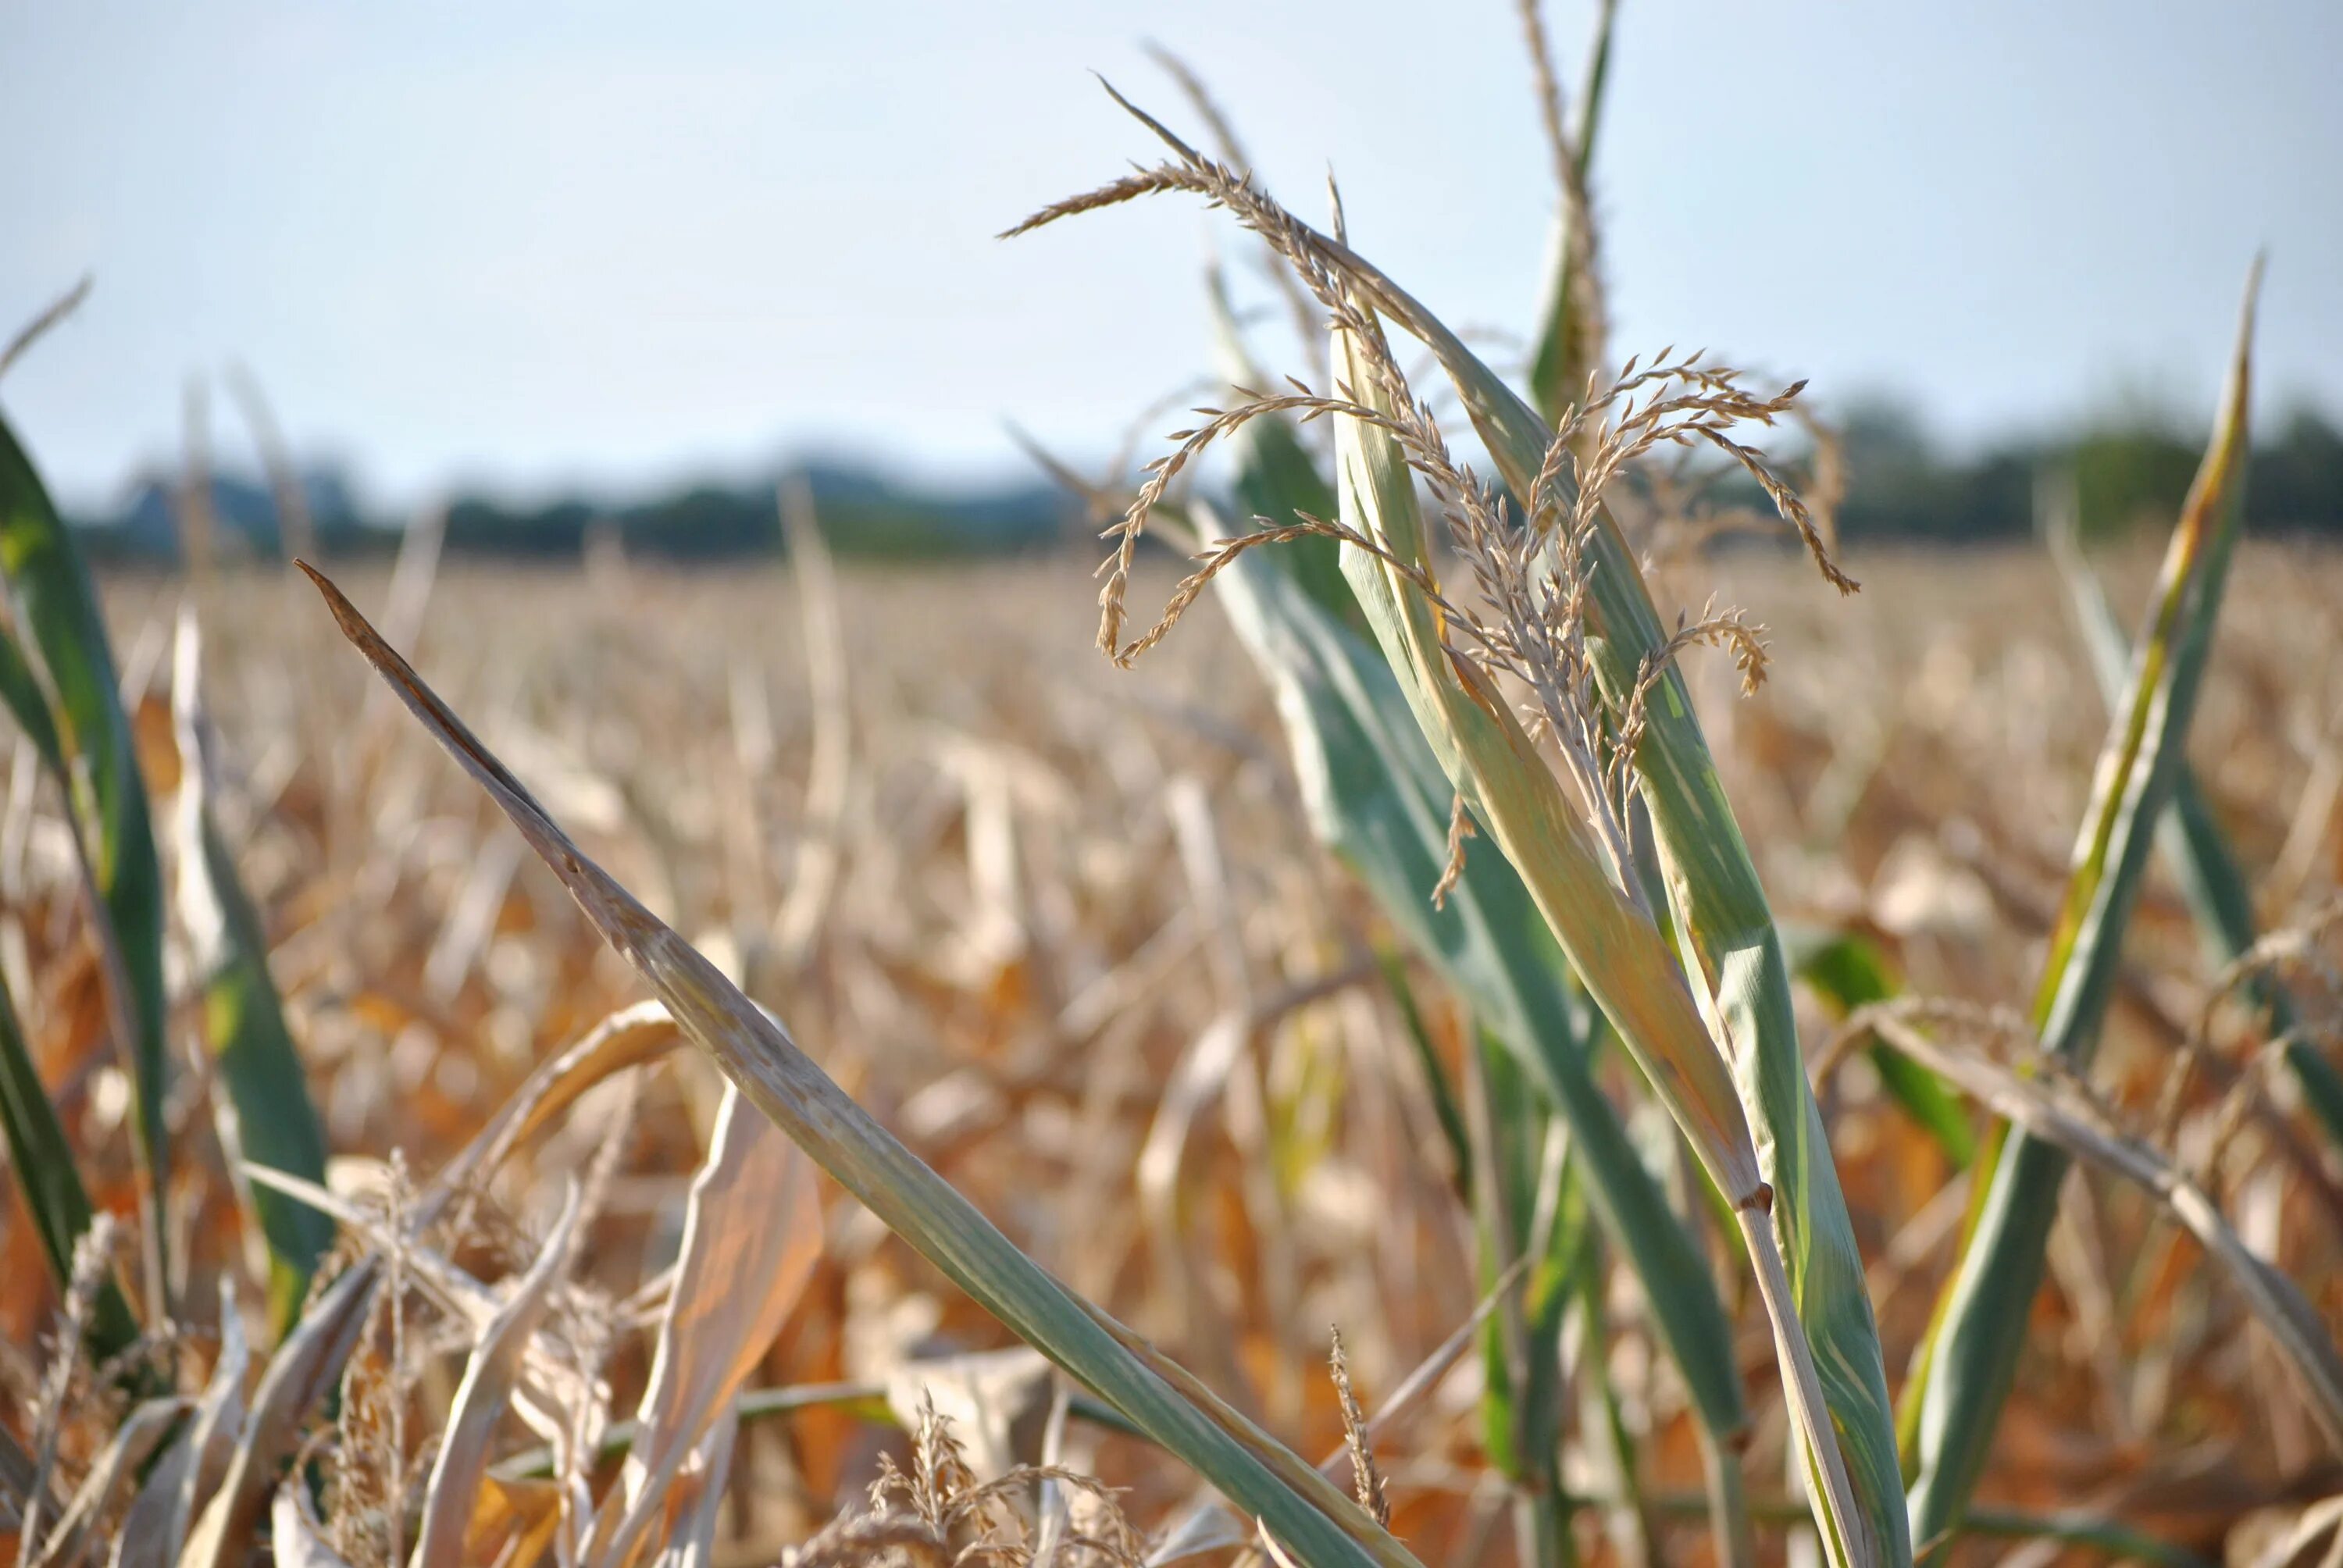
529,249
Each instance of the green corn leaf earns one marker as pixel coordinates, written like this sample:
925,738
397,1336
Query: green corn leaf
1376,796
48,1182
271,1120
2052,1109
1569,340
2198,851
20,690
1971,1357
1725,931
1591,90
1848,972
56,614
1317,1524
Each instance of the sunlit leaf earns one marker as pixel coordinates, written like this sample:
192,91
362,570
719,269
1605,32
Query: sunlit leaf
751,1236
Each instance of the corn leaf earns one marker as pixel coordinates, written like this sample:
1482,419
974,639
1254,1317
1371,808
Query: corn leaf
130,1450
1569,345
1316,1523
211,1436
1489,760
268,1118
634,1036
1971,1357
49,1183
55,613
698,1502
144,1539
1376,797
2054,1111
2198,855
309,1362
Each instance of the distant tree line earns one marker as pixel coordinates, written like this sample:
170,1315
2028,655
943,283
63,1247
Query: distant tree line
862,512
1901,487
2123,475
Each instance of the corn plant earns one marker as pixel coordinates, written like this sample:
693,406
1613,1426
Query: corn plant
1575,859
1377,798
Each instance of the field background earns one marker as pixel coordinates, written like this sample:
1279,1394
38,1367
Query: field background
1045,881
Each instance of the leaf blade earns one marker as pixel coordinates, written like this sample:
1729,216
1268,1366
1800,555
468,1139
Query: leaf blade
1972,1354
2199,855
752,1233
57,614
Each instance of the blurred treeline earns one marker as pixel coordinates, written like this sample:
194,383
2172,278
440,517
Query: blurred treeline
1901,486
863,511
2122,473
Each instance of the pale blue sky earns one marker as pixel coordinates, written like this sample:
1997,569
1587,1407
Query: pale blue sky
533,244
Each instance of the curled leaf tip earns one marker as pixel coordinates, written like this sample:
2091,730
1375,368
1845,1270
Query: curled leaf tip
1170,138
345,614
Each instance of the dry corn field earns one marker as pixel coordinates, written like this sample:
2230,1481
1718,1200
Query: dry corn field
1064,929
1490,1029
